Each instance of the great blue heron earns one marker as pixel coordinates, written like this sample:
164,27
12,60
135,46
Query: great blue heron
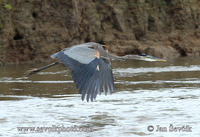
90,67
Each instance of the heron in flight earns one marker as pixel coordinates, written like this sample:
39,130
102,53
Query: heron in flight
90,67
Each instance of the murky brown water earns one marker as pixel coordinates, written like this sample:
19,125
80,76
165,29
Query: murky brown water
146,93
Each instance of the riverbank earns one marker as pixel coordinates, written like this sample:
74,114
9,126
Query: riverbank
32,30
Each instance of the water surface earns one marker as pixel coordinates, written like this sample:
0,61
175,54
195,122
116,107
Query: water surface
157,94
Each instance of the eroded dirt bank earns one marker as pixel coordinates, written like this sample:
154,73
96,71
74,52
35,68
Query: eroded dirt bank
33,29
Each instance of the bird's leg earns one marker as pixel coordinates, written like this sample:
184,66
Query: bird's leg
134,57
123,58
36,70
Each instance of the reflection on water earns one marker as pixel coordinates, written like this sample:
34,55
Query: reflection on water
146,93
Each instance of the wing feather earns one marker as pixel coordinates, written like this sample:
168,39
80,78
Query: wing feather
67,61
91,75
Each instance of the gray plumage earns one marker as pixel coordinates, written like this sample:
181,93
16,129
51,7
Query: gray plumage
90,67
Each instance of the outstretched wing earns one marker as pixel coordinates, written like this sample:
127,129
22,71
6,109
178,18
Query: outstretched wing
90,73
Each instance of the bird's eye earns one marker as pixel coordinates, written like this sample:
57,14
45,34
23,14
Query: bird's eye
93,47
105,47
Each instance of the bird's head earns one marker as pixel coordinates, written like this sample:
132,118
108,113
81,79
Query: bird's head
102,50
146,57
97,46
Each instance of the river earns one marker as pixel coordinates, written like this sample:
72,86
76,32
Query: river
156,99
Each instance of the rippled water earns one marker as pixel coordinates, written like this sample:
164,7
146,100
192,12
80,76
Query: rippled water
154,94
